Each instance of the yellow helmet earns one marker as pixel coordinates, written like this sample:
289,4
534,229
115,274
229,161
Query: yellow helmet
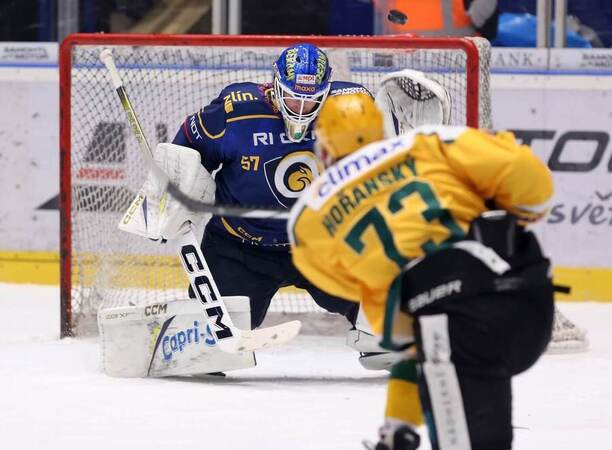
346,123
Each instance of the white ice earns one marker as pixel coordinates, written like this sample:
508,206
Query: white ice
310,394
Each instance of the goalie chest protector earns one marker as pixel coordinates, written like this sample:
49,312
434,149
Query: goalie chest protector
242,133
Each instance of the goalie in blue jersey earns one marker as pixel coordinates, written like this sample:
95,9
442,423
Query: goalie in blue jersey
258,138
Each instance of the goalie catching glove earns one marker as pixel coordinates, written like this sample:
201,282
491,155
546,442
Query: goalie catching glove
156,215
409,99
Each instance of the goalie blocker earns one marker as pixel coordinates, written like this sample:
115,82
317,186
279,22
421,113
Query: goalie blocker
156,215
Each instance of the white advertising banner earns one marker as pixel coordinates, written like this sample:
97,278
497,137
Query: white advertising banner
28,54
566,120
29,159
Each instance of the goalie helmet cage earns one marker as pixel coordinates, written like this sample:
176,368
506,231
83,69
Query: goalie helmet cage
167,78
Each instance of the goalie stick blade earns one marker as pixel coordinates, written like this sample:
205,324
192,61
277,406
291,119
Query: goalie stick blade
261,338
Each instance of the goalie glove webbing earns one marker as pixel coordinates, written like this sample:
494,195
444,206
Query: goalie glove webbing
409,99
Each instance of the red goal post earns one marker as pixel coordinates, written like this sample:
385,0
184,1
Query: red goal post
169,77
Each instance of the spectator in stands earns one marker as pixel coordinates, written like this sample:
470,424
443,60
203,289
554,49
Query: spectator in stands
439,17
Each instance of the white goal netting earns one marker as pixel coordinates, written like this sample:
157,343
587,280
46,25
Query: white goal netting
166,80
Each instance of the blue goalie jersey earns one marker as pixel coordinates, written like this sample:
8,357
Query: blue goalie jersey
242,134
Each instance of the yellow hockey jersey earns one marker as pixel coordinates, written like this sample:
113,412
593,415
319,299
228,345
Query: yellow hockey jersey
370,213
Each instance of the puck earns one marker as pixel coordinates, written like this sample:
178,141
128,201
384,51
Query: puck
397,17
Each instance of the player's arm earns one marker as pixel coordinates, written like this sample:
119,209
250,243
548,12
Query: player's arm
504,171
203,131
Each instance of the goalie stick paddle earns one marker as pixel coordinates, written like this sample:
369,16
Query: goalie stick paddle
229,338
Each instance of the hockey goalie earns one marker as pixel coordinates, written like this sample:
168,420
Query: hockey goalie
172,338
180,337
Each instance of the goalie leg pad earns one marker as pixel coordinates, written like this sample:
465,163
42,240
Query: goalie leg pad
167,339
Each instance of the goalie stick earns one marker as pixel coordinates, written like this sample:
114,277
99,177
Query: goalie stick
229,338
225,210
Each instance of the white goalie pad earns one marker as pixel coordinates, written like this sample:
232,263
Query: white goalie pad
156,215
167,339
408,99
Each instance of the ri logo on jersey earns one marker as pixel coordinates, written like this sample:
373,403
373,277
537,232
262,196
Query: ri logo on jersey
288,176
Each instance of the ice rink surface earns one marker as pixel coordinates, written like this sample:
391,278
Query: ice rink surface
310,394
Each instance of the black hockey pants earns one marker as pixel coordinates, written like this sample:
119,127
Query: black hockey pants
474,330
258,272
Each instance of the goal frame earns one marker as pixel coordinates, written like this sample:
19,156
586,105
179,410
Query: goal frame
65,70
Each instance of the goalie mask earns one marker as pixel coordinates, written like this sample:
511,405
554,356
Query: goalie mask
301,84
346,123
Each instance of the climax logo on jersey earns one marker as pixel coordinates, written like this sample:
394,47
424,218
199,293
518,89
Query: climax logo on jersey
290,175
350,167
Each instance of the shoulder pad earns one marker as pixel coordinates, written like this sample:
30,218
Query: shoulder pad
240,99
347,87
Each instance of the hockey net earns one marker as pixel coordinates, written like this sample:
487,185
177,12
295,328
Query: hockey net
167,78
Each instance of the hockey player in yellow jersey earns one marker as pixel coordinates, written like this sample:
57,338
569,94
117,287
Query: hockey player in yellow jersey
426,231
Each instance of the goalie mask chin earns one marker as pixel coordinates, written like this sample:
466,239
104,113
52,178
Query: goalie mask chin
298,110
301,85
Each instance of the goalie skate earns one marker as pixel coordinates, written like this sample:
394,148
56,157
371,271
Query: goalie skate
566,336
